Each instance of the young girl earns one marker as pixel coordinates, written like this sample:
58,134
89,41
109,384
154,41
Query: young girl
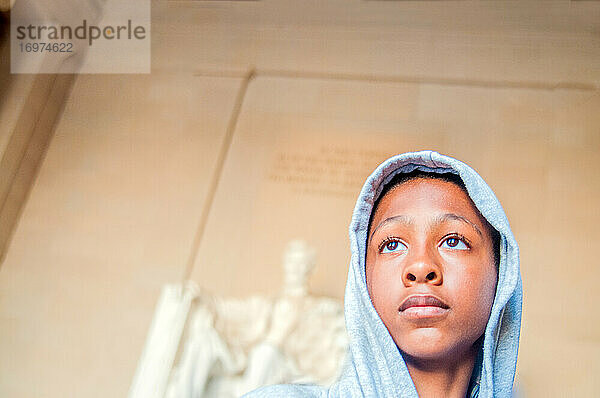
433,298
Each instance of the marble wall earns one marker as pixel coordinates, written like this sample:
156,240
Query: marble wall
512,89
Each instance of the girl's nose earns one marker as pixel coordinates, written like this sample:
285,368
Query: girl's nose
422,272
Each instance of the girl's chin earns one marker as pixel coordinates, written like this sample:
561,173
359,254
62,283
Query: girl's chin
426,345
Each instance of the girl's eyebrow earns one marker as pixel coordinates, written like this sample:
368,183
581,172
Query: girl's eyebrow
455,217
403,219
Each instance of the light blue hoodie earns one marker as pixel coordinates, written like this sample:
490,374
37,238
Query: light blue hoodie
376,367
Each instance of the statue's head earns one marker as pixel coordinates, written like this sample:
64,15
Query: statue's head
298,262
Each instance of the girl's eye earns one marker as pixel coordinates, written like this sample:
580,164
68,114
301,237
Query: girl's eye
393,246
454,242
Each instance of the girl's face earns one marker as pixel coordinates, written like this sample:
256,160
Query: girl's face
430,269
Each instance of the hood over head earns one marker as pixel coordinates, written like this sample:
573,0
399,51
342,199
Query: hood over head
376,367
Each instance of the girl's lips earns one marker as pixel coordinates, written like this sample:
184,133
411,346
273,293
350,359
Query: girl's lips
423,308
422,313
418,303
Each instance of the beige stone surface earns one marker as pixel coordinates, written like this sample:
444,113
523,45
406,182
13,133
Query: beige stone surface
502,42
5,5
509,87
110,220
303,148
29,109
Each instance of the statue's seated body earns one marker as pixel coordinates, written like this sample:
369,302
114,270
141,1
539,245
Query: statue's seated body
233,346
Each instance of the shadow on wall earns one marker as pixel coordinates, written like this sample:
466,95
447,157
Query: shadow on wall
5,79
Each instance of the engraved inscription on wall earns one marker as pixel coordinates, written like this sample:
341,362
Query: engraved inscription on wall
325,170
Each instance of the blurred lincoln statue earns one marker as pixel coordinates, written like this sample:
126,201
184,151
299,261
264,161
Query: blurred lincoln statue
233,346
